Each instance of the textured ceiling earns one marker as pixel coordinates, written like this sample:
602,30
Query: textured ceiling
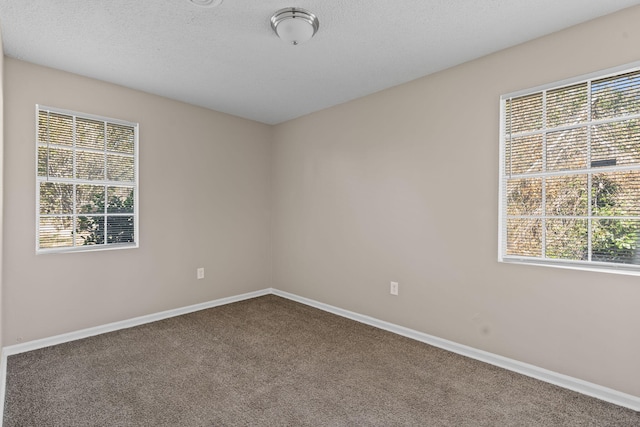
228,59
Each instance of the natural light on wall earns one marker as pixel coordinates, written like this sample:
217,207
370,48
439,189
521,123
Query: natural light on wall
570,173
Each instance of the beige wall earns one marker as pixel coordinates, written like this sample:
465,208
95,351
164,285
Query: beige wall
204,202
403,186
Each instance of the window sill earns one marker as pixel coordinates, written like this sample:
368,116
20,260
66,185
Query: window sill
88,248
629,270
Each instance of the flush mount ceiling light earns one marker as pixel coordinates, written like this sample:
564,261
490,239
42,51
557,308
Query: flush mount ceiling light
206,3
294,25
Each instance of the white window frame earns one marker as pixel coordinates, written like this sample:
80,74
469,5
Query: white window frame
627,269
135,185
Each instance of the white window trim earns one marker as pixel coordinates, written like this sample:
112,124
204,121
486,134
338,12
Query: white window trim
602,267
136,186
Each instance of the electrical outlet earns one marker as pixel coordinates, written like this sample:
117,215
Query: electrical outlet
393,289
200,273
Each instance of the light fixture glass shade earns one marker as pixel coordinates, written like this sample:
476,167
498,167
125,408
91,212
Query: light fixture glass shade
206,3
294,25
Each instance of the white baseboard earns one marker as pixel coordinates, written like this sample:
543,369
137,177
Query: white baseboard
561,380
123,324
103,329
3,383
580,386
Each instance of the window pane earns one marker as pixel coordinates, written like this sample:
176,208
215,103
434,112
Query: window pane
524,196
120,229
566,195
523,155
120,200
55,128
42,161
59,161
616,96
524,237
56,198
616,194
582,171
567,239
615,240
89,199
120,138
120,168
90,230
55,232
89,165
567,105
567,149
89,134
43,126
524,114
616,143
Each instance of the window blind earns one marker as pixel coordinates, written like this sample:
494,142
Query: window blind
86,181
570,180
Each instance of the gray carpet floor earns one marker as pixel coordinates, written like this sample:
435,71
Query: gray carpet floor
269,361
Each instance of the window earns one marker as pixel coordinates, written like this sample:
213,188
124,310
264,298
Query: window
86,182
570,174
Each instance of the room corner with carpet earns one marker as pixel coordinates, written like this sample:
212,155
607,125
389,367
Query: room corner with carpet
328,232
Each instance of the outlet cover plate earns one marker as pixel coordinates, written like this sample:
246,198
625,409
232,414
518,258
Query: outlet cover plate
393,288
